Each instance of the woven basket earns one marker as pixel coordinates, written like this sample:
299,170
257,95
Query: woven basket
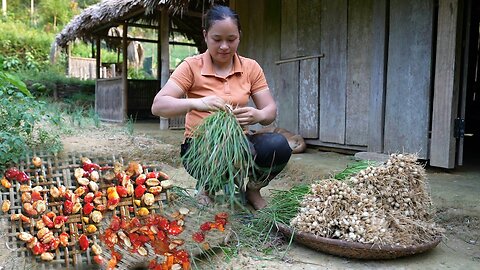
353,249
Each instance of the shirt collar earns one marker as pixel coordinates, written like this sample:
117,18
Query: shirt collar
207,69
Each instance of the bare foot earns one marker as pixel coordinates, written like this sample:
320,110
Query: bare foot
255,198
203,198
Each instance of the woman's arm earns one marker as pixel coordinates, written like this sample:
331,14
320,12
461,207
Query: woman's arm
170,102
264,113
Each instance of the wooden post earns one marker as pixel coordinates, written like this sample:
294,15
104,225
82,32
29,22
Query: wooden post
98,60
447,83
378,80
125,71
163,69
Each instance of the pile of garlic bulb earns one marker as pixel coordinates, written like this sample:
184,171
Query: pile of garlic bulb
385,204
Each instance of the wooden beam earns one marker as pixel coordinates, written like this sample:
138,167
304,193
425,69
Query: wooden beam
164,47
154,27
97,56
125,72
163,69
151,40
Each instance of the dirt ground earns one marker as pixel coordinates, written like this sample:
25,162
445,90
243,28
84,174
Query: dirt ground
455,195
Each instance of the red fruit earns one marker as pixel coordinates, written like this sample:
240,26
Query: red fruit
63,239
134,223
53,245
47,221
122,191
59,221
152,175
98,259
38,248
88,208
67,207
221,221
161,235
207,226
89,167
163,176
222,215
89,197
140,180
152,264
182,256
140,190
175,229
115,223
83,242
11,173
163,224
36,196
22,177
198,237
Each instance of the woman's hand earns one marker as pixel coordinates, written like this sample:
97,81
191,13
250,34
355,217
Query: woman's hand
209,103
248,115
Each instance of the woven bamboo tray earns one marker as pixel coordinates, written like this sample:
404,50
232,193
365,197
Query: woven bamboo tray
355,250
56,171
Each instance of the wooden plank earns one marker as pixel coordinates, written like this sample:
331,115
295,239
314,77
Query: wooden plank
241,7
124,100
446,86
378,80
309,44
288,91
255,30
333,69
308,99
359,64
108,95
271,46
407,109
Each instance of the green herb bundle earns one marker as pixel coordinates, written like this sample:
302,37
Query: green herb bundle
219,155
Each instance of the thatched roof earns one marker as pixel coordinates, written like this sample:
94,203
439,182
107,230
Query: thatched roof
96,20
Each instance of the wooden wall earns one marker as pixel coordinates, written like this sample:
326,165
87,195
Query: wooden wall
409,77
372,88
108,99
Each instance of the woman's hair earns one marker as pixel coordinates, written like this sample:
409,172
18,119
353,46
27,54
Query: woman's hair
218,13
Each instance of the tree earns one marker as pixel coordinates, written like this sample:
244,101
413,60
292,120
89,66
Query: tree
4,7
59,11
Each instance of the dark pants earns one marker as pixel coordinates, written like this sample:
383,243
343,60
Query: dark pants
270,151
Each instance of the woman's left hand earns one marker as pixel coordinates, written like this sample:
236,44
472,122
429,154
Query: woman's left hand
247,115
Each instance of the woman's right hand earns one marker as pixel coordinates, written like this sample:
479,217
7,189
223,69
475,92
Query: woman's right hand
209,103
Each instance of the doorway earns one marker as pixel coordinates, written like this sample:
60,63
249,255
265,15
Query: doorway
471,86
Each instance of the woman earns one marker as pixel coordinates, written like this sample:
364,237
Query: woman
220,76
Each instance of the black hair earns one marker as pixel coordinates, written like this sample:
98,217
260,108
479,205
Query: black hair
218,13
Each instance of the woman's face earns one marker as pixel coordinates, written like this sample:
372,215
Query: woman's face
222,40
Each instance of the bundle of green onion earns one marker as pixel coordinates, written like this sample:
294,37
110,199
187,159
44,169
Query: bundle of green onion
219,155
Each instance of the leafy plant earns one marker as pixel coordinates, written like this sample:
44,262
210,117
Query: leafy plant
130,125
219,155
20,114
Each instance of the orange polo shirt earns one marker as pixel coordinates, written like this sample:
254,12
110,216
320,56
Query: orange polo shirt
197,78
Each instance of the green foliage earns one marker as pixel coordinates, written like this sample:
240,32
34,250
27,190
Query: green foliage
20,114
130,125
56,12
22,47
43,82
219,155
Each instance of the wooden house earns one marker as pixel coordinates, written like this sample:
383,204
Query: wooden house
371,75
362,75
